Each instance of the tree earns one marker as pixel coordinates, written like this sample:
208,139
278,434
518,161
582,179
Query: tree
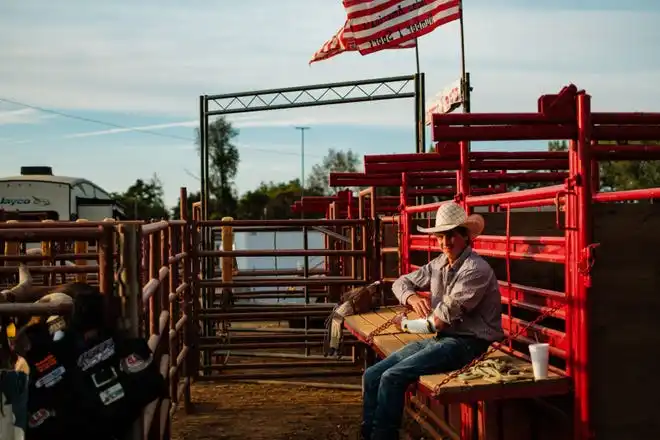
552,146
624,174
272,200
334,161
223,167
144,200
388,191
192,198
557,146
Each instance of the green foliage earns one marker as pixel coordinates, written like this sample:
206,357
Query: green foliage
618,175
144,200
624,175
223,167
176,211
334,161
557,146
272,200
388,191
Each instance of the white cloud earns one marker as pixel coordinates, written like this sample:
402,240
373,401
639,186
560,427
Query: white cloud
133,129
283,118
158,59
22,116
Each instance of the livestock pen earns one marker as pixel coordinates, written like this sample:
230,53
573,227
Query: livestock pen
576,276
146,266
576,268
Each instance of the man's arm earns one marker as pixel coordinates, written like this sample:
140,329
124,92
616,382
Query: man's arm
406,285
466,293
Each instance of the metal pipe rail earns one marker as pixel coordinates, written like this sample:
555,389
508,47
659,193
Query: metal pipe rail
169,323
125,237
220,308
566,115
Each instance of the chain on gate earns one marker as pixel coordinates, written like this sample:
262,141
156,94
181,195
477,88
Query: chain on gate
436,391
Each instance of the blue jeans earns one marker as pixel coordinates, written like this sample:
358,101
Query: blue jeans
384,384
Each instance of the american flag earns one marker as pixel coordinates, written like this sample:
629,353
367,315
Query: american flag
343,41
383,24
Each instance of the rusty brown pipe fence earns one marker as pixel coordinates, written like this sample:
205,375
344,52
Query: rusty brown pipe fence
183,296
232,329
158,306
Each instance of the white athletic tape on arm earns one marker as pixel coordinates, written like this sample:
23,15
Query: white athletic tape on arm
418,325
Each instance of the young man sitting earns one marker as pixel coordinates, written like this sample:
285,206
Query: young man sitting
464,311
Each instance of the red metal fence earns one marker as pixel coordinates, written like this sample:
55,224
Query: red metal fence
480,180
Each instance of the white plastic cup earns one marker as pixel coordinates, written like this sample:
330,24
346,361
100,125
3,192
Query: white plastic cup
539,353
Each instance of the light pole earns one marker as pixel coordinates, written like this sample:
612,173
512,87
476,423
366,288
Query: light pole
302,166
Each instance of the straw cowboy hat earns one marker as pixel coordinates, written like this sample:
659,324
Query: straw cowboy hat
450,215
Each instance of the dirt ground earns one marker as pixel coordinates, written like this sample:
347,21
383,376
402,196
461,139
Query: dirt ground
249,411
245,411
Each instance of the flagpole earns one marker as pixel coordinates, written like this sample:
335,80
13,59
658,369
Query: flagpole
464,184
465,76
421,136
421,123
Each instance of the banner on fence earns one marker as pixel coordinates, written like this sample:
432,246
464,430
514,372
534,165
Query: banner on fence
448,100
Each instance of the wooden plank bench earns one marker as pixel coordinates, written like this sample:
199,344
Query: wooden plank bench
456,390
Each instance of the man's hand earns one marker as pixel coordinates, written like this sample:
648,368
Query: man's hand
420,305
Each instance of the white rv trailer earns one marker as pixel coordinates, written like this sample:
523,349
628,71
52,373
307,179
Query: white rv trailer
36,194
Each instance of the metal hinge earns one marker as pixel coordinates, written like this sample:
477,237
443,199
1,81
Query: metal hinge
586,262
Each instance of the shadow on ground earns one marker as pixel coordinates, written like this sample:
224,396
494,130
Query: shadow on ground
243,411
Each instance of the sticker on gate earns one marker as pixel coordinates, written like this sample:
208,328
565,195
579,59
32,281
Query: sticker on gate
39,417
97,354
48,362
112,394
134,363
51,378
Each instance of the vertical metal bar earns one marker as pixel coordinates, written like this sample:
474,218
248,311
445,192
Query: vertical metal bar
404,224
302,169
363,230
418,148
465,76
164,301
584,239
276,260
422,109
202,154
207,186
508,273
154,265
422,127
464,171
174,247
203,199
354,240
188,328
306,276
197,297
106,260
130,294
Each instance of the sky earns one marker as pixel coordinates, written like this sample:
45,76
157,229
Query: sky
73,71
